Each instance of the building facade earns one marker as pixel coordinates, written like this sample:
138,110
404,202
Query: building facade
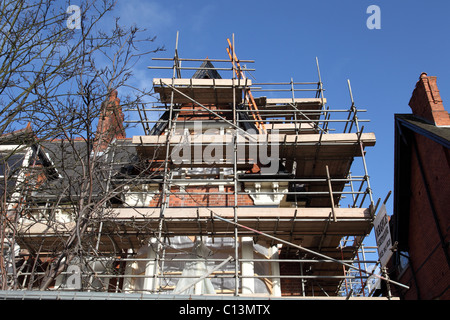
420,224
225,193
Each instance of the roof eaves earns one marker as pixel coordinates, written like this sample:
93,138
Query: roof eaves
440,135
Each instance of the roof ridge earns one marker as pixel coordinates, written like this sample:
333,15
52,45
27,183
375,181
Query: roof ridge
206,71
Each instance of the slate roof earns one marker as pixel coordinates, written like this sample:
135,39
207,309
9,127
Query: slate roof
206,71
70,158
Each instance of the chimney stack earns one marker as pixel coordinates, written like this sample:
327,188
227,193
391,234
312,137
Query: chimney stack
426,102
110,124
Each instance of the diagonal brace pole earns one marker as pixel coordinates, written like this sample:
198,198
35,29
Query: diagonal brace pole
312,252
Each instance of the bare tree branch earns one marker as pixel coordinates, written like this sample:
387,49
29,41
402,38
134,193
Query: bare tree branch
58,82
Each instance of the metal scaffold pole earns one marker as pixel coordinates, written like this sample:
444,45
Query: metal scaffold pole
235,200
307,141
310,251
167,175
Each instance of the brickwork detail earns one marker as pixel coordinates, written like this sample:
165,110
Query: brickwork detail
196,197
426,102
426,251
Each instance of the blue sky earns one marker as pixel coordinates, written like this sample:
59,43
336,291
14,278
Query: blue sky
285,37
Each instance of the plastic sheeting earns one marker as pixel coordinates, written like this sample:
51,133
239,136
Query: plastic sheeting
10,252
196,269
205,254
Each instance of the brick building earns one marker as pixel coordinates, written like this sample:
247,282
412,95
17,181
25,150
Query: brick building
421,219
225,193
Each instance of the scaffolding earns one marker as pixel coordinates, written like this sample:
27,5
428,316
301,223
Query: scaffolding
297,233
305,125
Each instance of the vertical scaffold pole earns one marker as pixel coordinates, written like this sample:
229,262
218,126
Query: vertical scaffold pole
366,174
166,179
236,249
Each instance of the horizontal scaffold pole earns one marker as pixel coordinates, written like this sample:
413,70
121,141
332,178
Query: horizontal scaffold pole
310,251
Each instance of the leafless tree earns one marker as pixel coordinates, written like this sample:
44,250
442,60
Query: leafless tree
57,82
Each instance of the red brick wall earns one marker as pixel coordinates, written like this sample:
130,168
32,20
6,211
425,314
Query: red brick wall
290,286
426,253
197,198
